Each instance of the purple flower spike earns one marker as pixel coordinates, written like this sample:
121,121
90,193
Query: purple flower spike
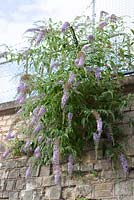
37,152
33,121
96,138
76,61
40,139
40,37
85,47
56,155
124,163
10,135
22,88
28,143
28,172
70,165
99,125
90,38
37,128
41,111
65,26
36,110
113,18
102,25
21,99
6,153
97,73
64,100
54,64
70,116
20,111
89,69
71,78
57,175
81,61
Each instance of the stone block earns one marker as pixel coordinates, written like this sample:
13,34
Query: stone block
20,184
28,195
5,195
14,173
124,187
33,183
83,191
10,163
53,193
23,172
4,173
67,181
2,184
45,170
103,164
104,186
13,195
130,145
48,181
10,185
68,193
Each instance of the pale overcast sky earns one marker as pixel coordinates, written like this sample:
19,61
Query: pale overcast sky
18,15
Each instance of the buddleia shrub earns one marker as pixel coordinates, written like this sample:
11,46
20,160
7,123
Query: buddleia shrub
70,93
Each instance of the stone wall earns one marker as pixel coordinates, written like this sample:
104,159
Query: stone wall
95,180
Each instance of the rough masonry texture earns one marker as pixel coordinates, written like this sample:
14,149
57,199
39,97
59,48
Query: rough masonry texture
94,180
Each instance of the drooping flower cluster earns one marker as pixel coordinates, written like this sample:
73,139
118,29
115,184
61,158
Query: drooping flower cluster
99,123
124,163
102,24
79,62
64,99
37,152
56,162
70,116
37,114
22,90
10,135
54,64
27,149
40,36
65,26
71,79
90,38
6,153
28,172
97,73
70,165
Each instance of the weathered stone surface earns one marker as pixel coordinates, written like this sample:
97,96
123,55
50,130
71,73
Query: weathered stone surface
13,195
4,173
27,195
130,145
124,187
10,185
53,193
14,173
68,193
2,184
48,181
45,171
92,179
102,164
20,184
83,191
34,183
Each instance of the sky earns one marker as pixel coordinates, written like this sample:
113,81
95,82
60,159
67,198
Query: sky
16,16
